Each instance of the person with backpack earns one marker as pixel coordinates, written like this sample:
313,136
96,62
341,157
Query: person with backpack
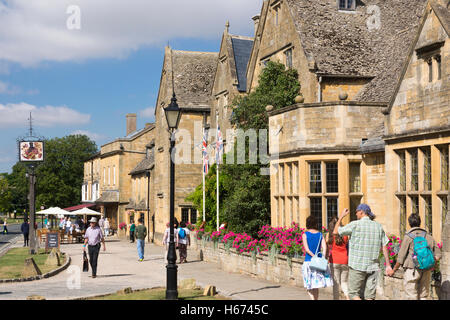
141,234
132,229
183,240
418,255
367,237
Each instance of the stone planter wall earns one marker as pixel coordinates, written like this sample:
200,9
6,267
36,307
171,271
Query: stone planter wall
280,269
277,269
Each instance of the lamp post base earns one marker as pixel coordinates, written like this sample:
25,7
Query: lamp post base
171,289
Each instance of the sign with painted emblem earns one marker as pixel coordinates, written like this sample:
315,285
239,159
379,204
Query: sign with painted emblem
31,151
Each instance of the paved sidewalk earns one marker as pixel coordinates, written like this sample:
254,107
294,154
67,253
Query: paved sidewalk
119,268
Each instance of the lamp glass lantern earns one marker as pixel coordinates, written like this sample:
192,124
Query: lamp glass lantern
173,114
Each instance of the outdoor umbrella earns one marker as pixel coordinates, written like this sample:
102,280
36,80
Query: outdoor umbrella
86,211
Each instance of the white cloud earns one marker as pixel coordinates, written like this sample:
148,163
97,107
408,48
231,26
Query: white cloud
35,31
91,135
148,113
6,88
12,115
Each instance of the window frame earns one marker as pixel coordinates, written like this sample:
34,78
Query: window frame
346,5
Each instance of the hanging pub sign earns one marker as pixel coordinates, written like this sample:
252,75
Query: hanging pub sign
31,151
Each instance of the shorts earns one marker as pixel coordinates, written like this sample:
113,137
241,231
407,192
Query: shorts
362,283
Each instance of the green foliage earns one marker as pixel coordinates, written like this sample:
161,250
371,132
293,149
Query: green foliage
244,192
211,198
277,87
58,179
5,194
18,184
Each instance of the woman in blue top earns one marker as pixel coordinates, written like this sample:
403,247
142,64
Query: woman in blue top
313,241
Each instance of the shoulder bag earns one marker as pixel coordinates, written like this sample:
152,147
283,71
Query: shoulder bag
319,263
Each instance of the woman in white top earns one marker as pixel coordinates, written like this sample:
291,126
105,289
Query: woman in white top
166,237
106,227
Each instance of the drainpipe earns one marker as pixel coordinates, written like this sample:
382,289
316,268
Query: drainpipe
319,93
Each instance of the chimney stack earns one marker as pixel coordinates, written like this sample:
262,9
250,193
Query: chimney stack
131,123
256,21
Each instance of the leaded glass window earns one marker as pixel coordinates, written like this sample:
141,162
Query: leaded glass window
355,177
403,226
316,209
427,169
332,177
315,179
402,169
428,214
414,171
444,167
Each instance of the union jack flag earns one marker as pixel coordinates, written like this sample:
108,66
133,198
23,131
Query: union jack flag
219,144
205,153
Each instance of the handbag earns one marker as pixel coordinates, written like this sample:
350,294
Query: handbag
85,262
318,263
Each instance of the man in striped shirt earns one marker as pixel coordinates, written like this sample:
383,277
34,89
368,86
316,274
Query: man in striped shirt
367,237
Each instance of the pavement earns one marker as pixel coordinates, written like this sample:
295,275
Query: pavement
119,268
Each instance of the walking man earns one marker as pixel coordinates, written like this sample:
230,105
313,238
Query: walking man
141,233
367,238
25,228
417,277
93,237
132,230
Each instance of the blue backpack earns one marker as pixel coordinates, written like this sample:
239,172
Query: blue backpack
181,233
423,257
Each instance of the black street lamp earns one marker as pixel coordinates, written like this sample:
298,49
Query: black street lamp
173,115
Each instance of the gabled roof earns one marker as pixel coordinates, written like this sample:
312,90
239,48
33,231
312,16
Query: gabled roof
145,165
193,74
242,49
355,43
444,17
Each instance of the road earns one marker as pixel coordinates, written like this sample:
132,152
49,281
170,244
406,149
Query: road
13,232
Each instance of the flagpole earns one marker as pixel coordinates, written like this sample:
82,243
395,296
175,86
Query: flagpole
203,173
217,171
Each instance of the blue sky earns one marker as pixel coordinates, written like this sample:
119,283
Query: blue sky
86,80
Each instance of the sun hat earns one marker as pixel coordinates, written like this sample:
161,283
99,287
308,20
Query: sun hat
364,207
93,219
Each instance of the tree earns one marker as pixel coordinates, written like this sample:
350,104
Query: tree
60,177
244,192
5,194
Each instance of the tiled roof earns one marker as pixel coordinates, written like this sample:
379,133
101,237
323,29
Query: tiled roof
242,49
109,196
375,142
443,15
193,76
356,43
146,164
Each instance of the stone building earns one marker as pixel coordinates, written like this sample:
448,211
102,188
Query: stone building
349,59
139,205
90,190
230,81
190,75
417,128
109,170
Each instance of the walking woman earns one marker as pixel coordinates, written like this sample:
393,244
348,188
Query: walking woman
338,258
93,237
5,227
313,243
